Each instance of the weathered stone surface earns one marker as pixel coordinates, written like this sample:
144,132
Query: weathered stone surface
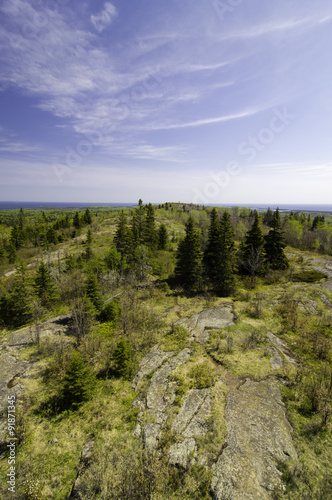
281,346
189,418
158,397
151,435
180,453
11,369
276,360
258,434
153,360
208,319
309,306
325,300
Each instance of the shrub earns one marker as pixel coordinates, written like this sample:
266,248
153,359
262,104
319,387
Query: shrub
122,361
176,339
202,376
110,312
78,382
309,276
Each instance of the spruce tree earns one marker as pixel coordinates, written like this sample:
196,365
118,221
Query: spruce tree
275,244
150,237
15,305
219,256
16,237
138,223
253,254
93,290
77,221
123,237
122,359
78,382
189,266
44,285
87,219
227,267
162,237
211,254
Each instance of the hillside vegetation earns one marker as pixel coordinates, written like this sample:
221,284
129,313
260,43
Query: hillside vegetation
116,324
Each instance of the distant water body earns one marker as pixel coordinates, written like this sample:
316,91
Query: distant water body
12,205
285,208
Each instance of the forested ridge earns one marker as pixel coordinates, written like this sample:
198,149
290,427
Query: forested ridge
121,282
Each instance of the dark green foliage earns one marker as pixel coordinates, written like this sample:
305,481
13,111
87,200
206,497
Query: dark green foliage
77,221
226,271
86,218
318,222
123,237
110,312
162,237
78,382
51,236
189,266
44,285
309,276
268,217
87,254
89,237
150,236
2,255
15,305
275,244
113,259
219,256
211,254
138,223
16,237
252,251
121,358
93,290
11,253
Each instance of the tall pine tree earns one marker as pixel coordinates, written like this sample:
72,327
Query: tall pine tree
275,244
44,285
150,236
252,252
219,256
211,254
189,266
123,237
227,267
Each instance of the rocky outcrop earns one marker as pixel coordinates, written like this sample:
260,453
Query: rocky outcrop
153,360
208,319
12,370
180,454
192,420
258,435
159,396
282,347
85,460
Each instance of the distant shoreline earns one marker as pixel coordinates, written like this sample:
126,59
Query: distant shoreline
36,205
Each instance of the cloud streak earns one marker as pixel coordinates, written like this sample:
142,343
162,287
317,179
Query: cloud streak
104,18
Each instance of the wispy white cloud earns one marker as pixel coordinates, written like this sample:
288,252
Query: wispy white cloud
210,121
275,26
104,18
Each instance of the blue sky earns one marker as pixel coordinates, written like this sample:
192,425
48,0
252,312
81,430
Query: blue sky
208,101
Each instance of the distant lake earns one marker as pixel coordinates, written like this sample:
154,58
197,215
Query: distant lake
283,207
12,205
